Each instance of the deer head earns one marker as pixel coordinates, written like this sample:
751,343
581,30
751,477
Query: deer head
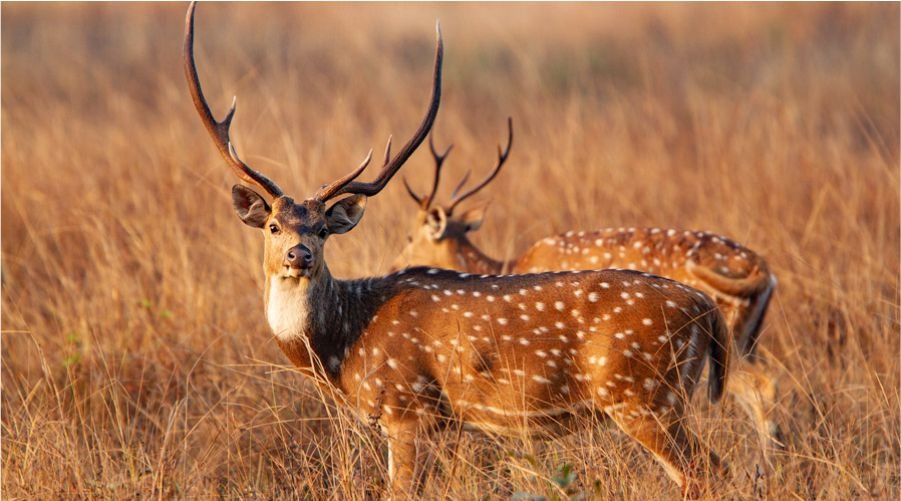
295,232
439,236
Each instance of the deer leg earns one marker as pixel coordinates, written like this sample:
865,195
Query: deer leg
676,448
405,456
751,385
755,393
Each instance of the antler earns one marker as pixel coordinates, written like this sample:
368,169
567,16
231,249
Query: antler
347,184
425,202
461,184
501,159
219,130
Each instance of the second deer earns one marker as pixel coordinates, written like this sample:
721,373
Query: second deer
736,277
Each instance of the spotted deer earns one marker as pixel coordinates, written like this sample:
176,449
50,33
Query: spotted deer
736,277
424,348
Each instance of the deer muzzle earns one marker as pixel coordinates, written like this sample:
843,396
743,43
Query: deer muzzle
297,260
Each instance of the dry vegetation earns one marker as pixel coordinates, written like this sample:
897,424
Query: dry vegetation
136,358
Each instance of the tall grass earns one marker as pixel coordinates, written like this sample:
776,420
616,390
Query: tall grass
135,355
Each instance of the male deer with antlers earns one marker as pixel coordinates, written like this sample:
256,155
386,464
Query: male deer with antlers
735,276
422,348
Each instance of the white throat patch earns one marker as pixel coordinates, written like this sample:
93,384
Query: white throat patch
287,310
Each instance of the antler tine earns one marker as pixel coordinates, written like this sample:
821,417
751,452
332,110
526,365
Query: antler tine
219,130
412,193
426,202
391,168
338,183
502,155
439,162
461,184
387,152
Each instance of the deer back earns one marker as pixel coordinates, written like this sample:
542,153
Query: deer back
697,258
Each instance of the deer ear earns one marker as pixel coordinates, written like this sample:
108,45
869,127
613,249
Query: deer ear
345,214
250,206
472,219
436,221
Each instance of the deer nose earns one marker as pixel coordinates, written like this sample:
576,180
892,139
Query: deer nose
299,257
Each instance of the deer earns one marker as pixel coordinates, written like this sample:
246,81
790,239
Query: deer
736,277
421,349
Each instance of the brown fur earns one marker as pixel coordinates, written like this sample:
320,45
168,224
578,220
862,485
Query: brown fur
737,278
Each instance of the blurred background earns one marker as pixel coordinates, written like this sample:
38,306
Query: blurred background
136,358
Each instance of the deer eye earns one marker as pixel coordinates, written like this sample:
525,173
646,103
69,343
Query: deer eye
323,232
273,229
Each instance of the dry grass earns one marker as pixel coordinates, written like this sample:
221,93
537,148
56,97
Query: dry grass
136,359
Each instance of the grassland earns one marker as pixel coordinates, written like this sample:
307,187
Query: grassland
135,357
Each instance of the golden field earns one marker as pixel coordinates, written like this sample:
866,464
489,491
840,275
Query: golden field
136,360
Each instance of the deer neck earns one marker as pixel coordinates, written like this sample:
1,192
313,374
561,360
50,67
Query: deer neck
316,321
472,260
